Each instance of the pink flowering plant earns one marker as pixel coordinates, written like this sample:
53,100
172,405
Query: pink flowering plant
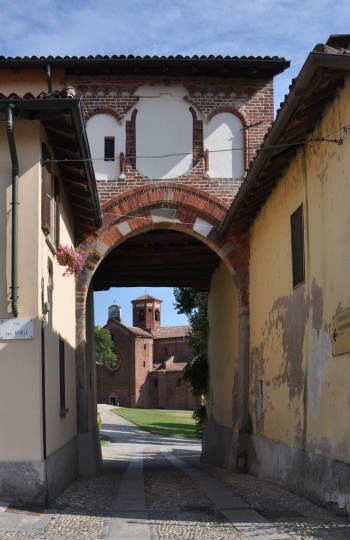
66,256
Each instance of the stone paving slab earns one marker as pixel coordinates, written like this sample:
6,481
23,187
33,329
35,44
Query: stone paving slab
3,506
246,520
27,523
9,521
129,519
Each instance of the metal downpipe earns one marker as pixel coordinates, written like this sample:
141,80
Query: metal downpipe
15,203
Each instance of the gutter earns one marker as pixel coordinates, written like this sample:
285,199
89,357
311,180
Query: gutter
14,242
74,106
312,63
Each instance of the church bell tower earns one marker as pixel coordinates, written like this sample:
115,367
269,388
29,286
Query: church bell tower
146,312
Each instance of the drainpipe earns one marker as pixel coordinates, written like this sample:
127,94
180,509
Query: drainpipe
15,203
48,78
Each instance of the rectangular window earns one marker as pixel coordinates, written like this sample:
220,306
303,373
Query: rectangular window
109,149
297,228
62,377
57,212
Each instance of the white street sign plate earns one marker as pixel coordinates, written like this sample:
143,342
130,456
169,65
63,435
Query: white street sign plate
16,329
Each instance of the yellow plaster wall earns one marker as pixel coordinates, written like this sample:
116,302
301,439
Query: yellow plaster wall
20,361
60,324
20,368
306,390
222,347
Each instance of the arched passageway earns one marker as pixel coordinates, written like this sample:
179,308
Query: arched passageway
182,224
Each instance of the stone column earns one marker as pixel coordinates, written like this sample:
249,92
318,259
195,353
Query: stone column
89,448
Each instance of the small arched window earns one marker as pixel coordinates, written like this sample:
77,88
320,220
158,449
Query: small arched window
157,315
179,381
155,383
141,315
112,336
165,351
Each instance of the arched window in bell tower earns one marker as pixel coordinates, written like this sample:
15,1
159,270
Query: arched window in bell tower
157,315
141,315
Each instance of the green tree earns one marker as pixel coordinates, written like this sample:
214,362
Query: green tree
103,347
195,306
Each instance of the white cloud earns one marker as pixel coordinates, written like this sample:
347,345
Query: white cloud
166,27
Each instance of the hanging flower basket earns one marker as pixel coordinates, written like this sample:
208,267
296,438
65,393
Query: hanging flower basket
72,260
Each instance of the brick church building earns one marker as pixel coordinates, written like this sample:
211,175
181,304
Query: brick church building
150,361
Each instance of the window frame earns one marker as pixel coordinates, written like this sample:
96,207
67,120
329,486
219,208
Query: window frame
106,149
295,271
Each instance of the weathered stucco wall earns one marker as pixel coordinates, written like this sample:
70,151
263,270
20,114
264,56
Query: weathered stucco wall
22,469
223,364
20,381
306,391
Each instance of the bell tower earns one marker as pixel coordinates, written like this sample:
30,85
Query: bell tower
146,312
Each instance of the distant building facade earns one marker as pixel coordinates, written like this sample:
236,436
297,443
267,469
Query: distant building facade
150,361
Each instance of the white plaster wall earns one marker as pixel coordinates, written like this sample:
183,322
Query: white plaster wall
164,125
99,127
224,133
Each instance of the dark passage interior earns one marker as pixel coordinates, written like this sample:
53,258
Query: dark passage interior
161,258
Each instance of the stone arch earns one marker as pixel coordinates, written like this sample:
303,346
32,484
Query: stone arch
169,205
233,110
102,110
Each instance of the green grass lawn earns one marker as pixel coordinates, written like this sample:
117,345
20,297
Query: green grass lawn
173,423
104,440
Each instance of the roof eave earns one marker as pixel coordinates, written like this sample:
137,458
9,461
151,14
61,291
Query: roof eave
312,63
74,106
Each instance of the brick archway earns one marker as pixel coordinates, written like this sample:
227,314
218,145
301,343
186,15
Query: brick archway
158,205
162,205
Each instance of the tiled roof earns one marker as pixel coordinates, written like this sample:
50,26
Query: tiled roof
315,87
138,331
133,329
173,363
170,331
68,92
218,66
146,297
67,59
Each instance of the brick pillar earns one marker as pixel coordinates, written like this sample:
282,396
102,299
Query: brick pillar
162,401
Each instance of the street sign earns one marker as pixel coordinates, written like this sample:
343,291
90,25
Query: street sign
341,333
16,329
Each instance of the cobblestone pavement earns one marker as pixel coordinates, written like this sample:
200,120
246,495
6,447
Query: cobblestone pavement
143,492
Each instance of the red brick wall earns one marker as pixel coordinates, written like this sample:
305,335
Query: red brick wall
251,100
173,346
168,394
143,364
123,377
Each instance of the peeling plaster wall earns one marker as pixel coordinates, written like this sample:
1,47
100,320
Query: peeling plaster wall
306,391
223,366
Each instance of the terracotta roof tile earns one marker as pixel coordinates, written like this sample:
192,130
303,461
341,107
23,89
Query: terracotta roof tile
170,331
147,297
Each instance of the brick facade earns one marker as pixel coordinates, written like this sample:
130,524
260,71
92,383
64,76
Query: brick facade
250,100
146,376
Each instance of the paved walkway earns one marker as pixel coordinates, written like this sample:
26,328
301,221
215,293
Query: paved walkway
155,488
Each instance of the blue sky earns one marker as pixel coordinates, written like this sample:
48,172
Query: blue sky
163,27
